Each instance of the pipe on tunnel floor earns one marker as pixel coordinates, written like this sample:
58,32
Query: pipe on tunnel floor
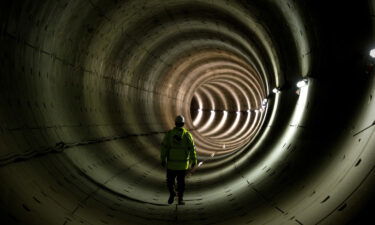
88,89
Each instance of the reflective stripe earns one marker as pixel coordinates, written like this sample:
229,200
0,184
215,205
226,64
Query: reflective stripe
178,149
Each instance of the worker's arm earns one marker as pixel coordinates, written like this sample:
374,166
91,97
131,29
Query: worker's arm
192,151
164,149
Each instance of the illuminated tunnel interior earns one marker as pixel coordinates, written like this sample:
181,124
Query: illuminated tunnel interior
88,89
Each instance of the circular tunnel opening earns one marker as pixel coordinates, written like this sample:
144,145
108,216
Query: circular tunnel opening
226,97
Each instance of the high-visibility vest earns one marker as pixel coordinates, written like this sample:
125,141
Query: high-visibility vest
178,149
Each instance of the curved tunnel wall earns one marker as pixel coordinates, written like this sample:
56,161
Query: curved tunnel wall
88,89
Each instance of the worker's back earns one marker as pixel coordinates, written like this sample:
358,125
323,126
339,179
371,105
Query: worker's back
177,153
178,147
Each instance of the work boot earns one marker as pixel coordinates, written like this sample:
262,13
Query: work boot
181,201
171,198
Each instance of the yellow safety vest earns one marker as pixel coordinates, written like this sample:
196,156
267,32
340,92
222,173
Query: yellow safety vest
178,149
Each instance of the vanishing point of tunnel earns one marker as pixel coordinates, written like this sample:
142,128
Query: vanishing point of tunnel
278,95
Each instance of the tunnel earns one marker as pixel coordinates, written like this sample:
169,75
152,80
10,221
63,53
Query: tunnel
278,95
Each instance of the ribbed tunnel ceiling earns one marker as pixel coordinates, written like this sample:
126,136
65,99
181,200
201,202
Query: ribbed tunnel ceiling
89,87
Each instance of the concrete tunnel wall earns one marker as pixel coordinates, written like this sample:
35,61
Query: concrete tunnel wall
89,87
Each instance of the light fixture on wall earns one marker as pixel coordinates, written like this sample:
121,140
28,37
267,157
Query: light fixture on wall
302,83
372,53
276,90
264,102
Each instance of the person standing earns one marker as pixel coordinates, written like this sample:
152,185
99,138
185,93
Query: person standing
177,154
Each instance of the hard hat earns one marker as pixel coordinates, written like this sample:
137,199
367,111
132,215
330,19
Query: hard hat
180,119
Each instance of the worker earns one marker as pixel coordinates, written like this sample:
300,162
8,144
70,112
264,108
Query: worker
178,155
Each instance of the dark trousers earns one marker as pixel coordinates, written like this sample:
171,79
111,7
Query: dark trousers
171,177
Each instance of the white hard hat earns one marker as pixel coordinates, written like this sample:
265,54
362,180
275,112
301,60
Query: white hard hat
180,119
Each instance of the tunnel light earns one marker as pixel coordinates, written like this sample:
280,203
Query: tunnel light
302,83
234,125
224,146
264,102
245,126
220,125
276,90
198,118
208,123
372,53
200,163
